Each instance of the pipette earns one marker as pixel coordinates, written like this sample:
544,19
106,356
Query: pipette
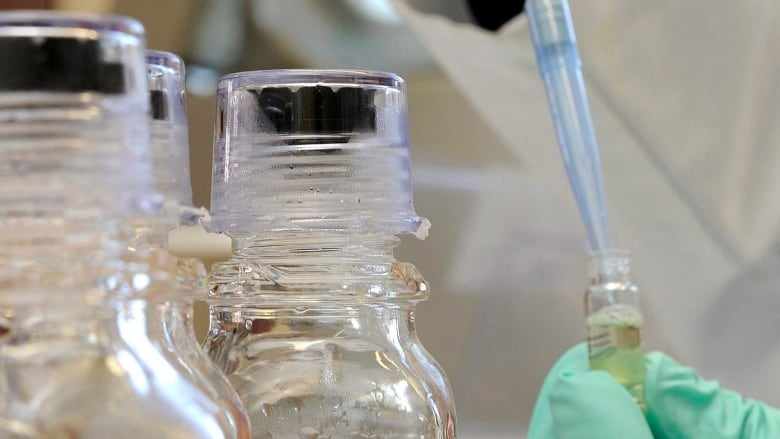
559,65
612,307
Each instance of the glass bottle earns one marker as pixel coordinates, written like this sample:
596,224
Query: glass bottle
614,322
77,350
173,309
312,318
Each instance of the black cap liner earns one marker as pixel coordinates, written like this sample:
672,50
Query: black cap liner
58,65
318,110
159,105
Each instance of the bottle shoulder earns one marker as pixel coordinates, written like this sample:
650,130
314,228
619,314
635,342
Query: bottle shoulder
344,282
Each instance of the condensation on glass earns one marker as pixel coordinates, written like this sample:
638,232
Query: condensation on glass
312,318
78,351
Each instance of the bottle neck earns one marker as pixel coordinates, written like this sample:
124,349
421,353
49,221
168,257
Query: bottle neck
316,248
320,265
610,266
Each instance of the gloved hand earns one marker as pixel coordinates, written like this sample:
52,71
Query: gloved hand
577,403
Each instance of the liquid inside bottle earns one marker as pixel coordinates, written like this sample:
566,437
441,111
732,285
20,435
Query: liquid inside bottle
614,324
615,346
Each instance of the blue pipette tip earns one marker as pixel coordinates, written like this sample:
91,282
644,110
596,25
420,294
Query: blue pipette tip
552,32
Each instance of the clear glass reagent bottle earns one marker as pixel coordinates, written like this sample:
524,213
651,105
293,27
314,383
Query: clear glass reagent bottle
312,318
173,309
77,350
614,322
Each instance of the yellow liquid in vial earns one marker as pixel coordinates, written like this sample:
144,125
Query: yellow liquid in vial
615,346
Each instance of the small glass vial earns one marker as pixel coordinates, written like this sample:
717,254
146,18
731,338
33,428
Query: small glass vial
312,318
614,322
77,348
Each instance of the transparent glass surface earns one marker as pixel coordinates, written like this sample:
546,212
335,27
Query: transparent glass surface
178,338
348,372
614,321
312,318
173,307
94,373
169,294
79,354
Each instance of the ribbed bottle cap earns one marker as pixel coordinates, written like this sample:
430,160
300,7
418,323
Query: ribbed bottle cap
165,72
170,140
312,149
73,120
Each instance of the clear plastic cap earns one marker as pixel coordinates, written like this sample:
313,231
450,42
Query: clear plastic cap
312,149
170,140
74,124
167,95
68,52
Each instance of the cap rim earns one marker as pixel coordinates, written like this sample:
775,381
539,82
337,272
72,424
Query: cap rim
283,77
94,22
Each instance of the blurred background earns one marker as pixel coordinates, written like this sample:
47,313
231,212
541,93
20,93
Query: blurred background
453,152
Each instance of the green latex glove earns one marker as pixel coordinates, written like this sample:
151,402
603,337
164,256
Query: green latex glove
577,403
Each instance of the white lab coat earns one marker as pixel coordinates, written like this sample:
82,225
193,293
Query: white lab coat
686,104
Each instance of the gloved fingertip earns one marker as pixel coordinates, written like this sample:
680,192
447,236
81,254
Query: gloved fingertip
596,385
575,359
657,360
683,404
593,405
667,378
